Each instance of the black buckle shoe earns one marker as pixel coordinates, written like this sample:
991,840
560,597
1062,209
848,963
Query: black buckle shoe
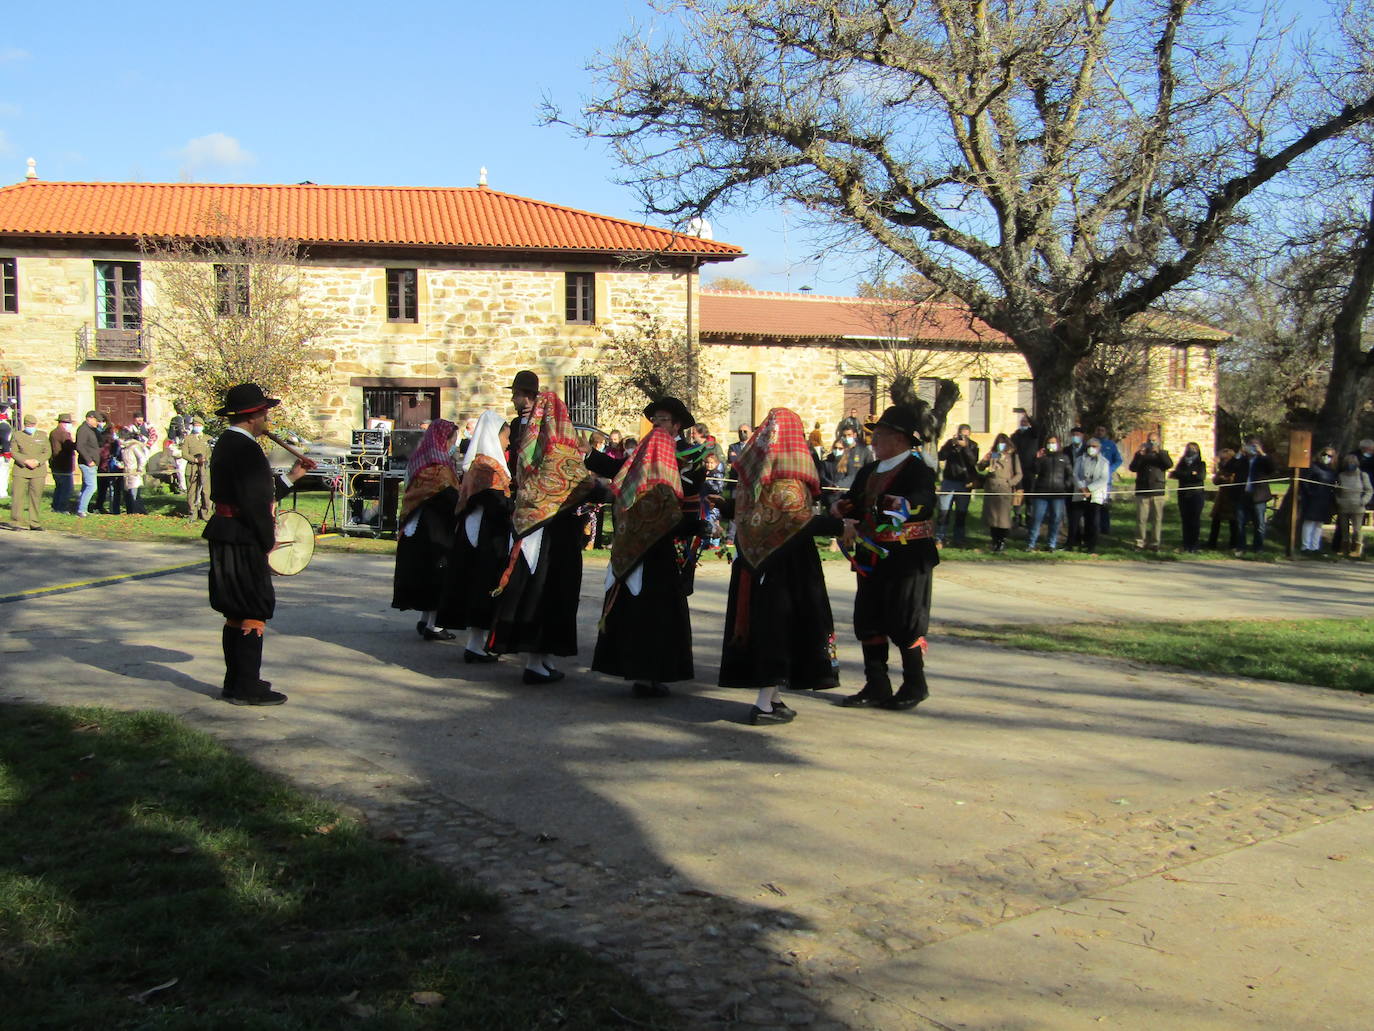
470,656
778,714
549,676
866,698
263,698
654,690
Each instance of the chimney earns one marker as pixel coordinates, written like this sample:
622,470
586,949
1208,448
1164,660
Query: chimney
32,173
482,176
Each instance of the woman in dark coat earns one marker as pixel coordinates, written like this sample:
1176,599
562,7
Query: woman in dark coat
1224,504
1317,499
425,538
1191,474
1051,483
482,543
778,625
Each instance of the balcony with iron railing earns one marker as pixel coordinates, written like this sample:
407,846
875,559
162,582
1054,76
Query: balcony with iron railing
113,345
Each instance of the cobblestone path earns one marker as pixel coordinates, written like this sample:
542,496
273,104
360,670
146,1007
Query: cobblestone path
724,963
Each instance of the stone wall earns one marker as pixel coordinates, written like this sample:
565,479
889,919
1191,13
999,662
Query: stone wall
479,324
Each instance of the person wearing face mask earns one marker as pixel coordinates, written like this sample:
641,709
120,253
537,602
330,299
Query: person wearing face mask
1025,441
854,454
31,453
1112,454
1051,484
960,457
1317,499
1253,470
1091,474
1150,464
1191,474
1354,493
1001,469
195,451
1224,504
88,458
1078,503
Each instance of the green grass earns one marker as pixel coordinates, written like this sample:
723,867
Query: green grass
136,851
1335,653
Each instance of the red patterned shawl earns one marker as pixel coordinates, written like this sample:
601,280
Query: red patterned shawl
432,468
648,500
777,485
552,475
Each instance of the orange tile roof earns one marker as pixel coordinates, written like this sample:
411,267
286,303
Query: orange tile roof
449,217
809,317
786,316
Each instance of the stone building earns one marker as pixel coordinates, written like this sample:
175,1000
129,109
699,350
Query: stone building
825,356
433,298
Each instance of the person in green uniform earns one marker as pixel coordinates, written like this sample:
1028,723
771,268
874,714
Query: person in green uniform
31,452
195,449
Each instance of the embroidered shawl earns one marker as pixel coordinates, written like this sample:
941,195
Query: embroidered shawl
648,500
777,486
551,474
432,468
484,464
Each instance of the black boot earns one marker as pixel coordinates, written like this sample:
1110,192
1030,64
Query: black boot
251,689
877,687
229,642
913,690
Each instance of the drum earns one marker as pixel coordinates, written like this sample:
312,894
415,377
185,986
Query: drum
295,544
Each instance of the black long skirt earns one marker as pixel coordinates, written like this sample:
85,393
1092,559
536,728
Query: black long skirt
649,637
422,558
894,602
787,630
474,570
241,581
537,610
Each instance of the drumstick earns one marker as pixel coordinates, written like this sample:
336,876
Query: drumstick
306,462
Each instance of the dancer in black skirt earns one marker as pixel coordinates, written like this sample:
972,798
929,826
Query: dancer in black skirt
646,634
240,534
889,530
778,626
482,543
424,540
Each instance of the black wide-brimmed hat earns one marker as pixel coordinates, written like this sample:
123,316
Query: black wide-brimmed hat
675,408
899,418
245,399
526,381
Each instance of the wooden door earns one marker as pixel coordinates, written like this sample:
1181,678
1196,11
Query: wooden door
860,394
120,400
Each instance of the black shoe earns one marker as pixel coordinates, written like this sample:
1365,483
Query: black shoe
905,699
864,699
260,698
433,633
779,714
781,706
549,676
654,690
471,656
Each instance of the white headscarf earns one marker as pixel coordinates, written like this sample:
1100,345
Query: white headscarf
486,439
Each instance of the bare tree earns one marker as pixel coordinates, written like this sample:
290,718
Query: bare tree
229,310
651,358
1058,166
722,284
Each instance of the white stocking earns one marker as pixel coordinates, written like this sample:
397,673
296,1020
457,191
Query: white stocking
477,640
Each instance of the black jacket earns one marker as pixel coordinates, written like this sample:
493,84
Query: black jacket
1190,474
961,463
1150,468
1051,475
87,444
241,477
1254,475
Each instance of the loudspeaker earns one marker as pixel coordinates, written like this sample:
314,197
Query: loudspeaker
404,443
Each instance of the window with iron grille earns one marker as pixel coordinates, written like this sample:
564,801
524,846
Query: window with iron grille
9,285
231,290
580,293
978,405
1025,395
579,394
402,295
10,395
118,298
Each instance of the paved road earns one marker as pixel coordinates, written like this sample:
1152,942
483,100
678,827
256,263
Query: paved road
1048,843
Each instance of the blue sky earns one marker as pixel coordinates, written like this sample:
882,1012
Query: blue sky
416,94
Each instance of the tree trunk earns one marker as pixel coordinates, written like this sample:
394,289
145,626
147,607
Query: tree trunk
1339,420
1054,366
1352,367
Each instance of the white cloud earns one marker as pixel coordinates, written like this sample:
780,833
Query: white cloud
10,54
6,147
210,151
